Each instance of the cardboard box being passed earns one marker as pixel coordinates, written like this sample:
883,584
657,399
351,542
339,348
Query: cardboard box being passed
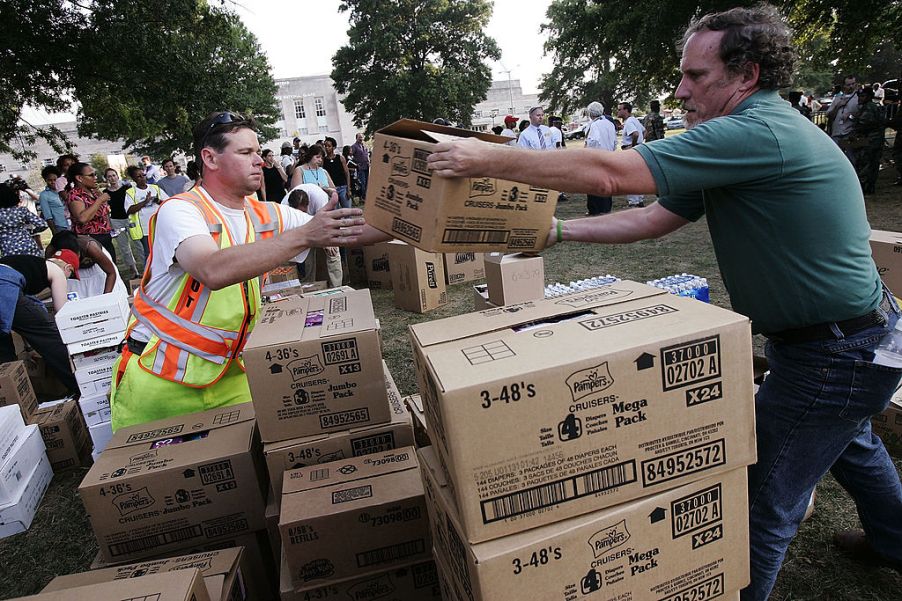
418,278
182,585
513,279
221,572
314,365
324,448
886,249
354,517
165,485
687,543
436,214
589,400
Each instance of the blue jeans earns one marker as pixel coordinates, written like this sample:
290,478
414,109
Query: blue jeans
363,176
814,415
344,201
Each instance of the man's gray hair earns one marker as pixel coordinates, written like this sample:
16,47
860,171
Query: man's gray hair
752,35
535,108
595,109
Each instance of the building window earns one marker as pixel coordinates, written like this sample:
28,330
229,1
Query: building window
320,107
2,168
477,114
299,112
303,131
323,129
48,162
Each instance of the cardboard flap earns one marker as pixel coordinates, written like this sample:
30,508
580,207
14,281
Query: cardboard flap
145,434
885,236
510,316
351,469
183,585
421,130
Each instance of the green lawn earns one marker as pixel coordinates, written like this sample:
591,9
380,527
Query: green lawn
60,540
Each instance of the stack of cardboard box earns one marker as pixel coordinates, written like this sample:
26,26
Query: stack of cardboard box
24,471
65,434
93,328
595,441
331,419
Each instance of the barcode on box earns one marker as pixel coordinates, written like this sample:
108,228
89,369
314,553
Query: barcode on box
155,540
456,236
391,553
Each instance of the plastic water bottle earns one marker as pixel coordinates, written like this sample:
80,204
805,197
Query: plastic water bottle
889,349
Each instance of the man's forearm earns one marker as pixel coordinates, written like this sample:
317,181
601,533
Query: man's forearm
246,261
621,228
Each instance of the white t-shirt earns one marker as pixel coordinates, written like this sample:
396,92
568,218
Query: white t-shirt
557,137
629,126
601,134
317,196
287,161
179,220
147,212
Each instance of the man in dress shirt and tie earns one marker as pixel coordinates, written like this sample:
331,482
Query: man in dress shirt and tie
536,136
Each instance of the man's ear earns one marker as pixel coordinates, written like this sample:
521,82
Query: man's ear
751,72
209,156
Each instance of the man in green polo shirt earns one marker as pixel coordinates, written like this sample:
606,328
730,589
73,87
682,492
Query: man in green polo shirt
790,233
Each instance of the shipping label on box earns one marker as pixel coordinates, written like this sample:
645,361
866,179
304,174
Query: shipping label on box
687,543
886,249
93,330
438,214
513,279
888,425
65,434
96,309
220,570
354,517
181,585
464,267
16,389
323,448
169,484
17,515
587,401
414,582
377,266
418,278
314,366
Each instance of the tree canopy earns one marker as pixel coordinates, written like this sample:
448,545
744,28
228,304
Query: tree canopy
602,50
421,59
144,72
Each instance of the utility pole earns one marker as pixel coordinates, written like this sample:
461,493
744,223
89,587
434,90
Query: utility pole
510,87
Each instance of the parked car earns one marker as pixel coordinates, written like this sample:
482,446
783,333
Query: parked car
674,123
576,134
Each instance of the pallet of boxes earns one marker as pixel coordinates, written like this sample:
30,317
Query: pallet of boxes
589,446
93,330
347,513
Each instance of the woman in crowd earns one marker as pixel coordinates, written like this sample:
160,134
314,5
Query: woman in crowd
89,207
119,219
337,168
96,269
354,186
18,226
274,177
193,174
311,171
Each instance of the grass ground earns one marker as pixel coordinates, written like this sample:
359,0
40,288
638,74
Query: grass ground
60,540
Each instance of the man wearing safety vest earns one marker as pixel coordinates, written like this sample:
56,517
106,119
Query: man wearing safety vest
200,294
141,201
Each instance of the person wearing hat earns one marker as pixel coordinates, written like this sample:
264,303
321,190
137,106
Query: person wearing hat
287,158
22,277
510,128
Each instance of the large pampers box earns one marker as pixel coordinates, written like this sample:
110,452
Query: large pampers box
886,249
690,542
464,267
17,514
418,278
221,572
413,582
513,279
616,393
352,518
314,365
439,214
174,483
15,389
65,434
323,448
181,585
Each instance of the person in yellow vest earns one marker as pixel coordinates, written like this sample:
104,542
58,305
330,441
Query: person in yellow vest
141,201
200,293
